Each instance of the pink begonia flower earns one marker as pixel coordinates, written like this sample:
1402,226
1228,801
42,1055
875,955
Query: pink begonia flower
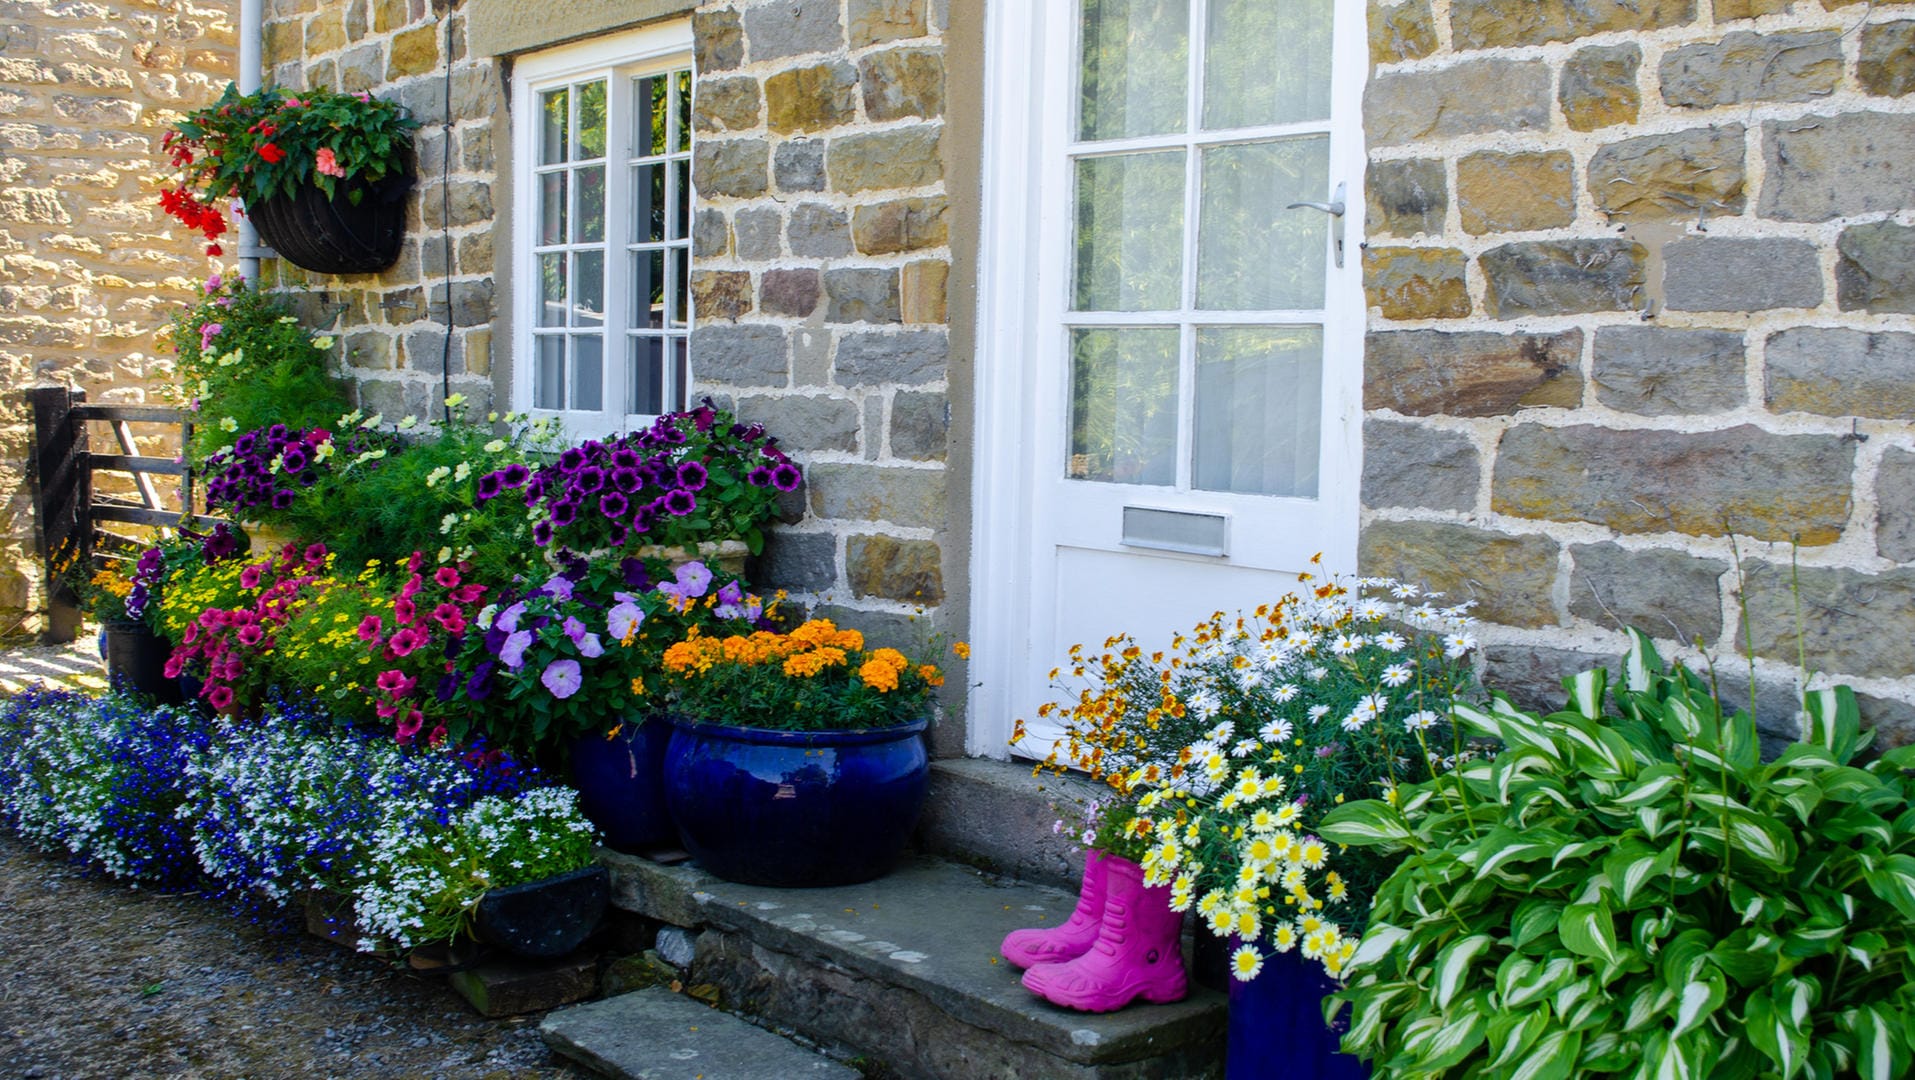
364,96
207,332
291,103
212,284
328,163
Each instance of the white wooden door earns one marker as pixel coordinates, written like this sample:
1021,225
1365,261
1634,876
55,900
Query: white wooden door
1170,367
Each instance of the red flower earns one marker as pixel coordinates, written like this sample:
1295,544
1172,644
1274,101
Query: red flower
272,153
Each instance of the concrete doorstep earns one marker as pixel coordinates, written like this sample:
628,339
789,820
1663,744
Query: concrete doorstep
903,973
658,1035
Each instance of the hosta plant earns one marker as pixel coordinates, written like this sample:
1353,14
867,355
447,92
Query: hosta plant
1633,892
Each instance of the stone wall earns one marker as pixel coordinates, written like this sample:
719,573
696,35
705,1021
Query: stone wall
1642,330
89,267
391,326
822,248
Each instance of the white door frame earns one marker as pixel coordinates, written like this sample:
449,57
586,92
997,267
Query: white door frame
1029,62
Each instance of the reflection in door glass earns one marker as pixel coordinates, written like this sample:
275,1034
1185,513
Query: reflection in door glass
1259,408
1124,405
1129,245
1267,62
1252,254
1134,68
647,376
591,120
555,126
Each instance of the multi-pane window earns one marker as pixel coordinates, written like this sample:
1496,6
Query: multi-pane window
605,235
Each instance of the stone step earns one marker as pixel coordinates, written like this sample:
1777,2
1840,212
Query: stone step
904,972
658,1035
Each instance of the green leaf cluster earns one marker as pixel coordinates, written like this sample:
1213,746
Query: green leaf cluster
261,367
1631,891
264,144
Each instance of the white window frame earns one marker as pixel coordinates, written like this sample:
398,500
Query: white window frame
617,58
1030,57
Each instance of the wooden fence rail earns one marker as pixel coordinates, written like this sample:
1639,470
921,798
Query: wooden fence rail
66,504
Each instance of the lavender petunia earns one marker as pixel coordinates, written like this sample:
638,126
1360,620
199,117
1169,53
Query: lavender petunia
562,678
625,617
559,588
513,652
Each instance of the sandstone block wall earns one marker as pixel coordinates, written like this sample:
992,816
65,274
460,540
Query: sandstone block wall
89,266
391,326
822,254
1641,279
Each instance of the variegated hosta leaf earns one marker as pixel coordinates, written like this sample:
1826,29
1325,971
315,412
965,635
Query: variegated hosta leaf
1882,1042
1537,982
1590,930
1697,1002
1371,823
1512,1033
1552,1058
1438,1042
1894,882
1453,963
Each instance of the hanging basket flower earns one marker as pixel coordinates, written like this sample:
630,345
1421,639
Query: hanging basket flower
324,177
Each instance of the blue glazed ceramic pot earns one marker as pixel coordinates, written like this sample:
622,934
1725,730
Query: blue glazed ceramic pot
795,809
1277,1028
621,784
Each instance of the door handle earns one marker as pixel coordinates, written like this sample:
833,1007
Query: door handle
1335,209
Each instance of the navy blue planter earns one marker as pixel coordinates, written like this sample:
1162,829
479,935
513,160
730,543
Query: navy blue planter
1277,1028
796,809
621,784
543,919
136,660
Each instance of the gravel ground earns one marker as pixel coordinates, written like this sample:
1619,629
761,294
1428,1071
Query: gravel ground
99,980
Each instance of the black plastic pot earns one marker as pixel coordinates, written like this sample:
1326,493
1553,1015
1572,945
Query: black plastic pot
335,236
548,918
136,661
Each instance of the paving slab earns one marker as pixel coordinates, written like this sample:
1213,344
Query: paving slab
933,928
658,1035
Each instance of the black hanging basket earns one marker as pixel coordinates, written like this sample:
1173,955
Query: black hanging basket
334,236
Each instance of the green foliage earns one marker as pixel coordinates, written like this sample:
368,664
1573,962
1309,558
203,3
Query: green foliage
255,146
259,367
1638,894
415,493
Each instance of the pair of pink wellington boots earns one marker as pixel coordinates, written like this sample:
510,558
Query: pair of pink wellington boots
1123,942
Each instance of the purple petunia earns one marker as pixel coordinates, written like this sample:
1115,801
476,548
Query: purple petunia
759,476
625,617
786,477
513,654
488,487
692,476
588,480
571,461
562,678
514,475
693,578
680,502
613,505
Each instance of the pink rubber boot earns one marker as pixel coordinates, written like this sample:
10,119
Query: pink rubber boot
1137,952
1074,937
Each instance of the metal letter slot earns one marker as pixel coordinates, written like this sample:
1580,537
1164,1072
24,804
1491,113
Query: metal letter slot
1176,530
1335,209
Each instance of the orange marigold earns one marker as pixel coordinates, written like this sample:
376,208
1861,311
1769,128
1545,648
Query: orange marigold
892,658
931,675
879,676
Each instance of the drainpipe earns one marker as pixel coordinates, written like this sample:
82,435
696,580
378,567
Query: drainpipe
252,33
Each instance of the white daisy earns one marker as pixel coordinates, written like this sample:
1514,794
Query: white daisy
1286,693
1275,731
1397,675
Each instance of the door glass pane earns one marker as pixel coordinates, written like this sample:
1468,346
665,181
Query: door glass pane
648,289
1134,68
1129,246
1267,62
1252,253
1259,409
588,288
648,203
649,117
552,289
552,208
1124,405
680,286
683,114
548,377
554,125
588,381
591,204
681,200
648,376
591,120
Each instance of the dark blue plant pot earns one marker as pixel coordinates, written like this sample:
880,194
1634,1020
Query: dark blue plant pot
544,919
621,784
796,809
1277,1028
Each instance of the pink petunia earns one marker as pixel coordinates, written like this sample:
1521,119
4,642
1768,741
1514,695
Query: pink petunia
251,635
466,594
446,576
450,617
249,577
369,628
412,586
219,697
408,728
404,611
405,641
